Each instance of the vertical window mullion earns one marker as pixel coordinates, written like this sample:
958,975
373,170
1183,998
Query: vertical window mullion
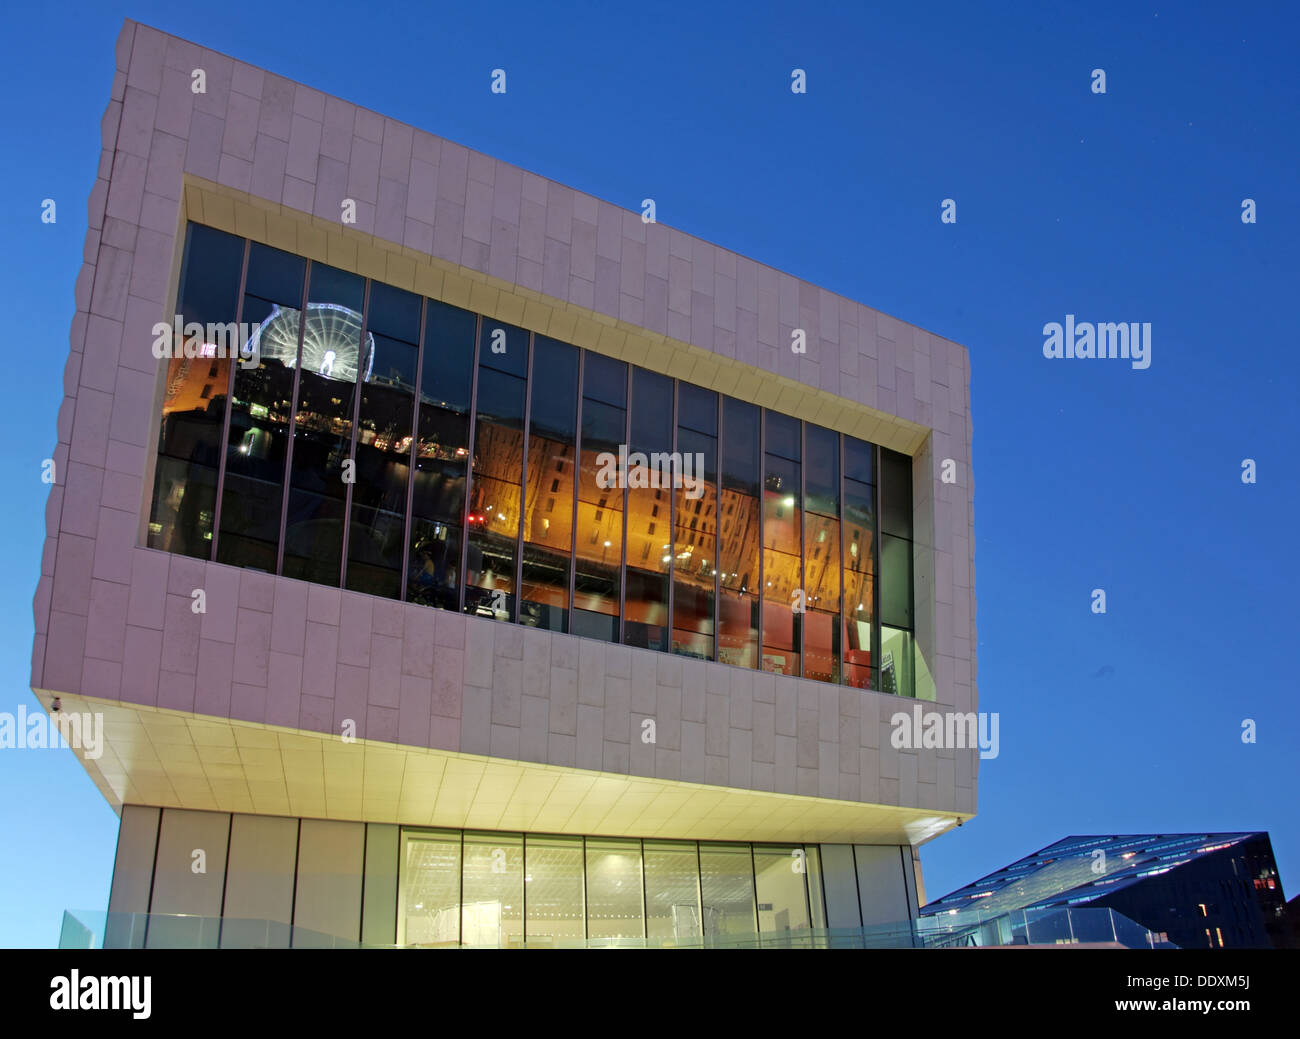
842,513
230,401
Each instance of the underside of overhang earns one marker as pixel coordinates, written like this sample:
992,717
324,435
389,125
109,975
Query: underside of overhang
173,759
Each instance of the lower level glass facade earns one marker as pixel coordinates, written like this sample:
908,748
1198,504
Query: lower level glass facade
497,890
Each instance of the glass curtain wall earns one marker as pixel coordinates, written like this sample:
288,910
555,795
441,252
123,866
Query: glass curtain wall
605,501
548,499
194,397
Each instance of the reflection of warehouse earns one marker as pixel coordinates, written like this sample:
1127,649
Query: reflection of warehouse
581,712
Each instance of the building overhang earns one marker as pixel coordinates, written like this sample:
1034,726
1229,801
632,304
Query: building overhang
174,759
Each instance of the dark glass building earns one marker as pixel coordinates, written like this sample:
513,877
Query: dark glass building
1199,890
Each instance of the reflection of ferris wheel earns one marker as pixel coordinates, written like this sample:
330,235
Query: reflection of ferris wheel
329,342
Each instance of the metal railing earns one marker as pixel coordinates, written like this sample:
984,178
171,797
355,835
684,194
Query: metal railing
1055,926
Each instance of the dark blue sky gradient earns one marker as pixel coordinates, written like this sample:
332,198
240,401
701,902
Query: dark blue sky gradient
1122,207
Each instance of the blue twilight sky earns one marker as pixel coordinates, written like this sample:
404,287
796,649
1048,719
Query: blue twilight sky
1088,474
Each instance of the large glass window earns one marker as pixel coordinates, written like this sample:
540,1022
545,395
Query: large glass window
783,588
727,891
738,540
528,480
554,892
548,510
649,511
261,408
441,457
492,899
430,889
335,358
598,542
672,891
615,906
383,444
184,503
500,889
496,479
781,876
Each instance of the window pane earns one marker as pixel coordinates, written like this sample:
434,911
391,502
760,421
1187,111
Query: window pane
334,357
782,568
859,582
614,893
492,910
782,433
494,495
823,472
697,409
821,640
897,672
260,410
604,379
441,457
503,347
695,562
383,450
435,563
649,511
394,313
859,460
895,494
672,893
781,876
194,402
556,912
431,889
598,541
738,544
727,883
896,581
548,513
